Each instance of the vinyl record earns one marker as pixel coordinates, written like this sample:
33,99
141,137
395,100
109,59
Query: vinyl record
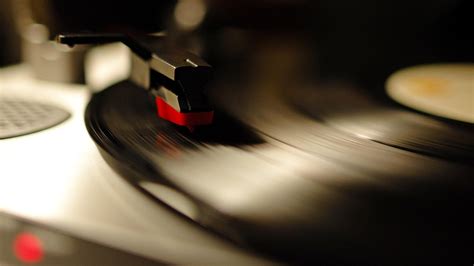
275,180
350,109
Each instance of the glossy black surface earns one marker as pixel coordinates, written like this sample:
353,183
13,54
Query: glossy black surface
275,180
345,107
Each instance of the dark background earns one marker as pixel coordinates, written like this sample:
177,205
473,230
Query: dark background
352,39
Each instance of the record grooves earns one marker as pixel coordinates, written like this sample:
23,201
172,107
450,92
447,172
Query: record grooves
130,164
287,185
347,108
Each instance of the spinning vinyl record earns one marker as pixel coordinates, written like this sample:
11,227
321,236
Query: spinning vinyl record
347,108
303,178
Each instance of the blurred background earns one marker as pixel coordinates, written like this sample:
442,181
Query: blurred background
346,38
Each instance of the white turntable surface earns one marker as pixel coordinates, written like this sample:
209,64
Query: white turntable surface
57,177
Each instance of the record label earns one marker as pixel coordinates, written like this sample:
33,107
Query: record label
445,90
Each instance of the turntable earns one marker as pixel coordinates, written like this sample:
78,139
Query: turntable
265,161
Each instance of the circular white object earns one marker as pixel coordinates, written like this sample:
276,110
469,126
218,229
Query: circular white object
445,90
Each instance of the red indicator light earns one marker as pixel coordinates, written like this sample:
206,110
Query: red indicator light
28,248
